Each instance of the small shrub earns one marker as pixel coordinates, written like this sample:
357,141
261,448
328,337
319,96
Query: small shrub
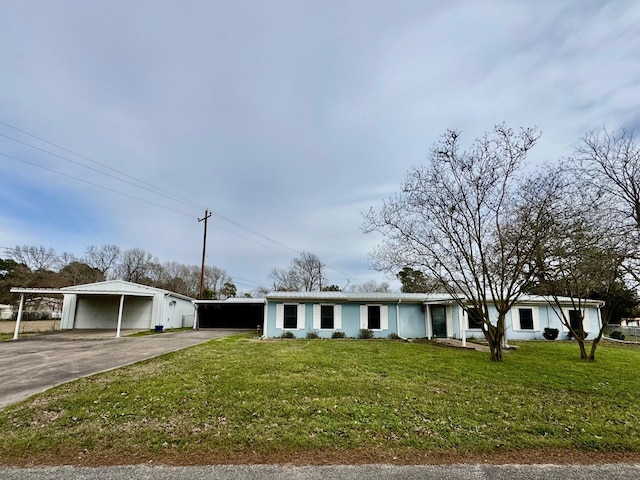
338,334
312,335
365,334
578,333
550,333
287,335
394,336
617,334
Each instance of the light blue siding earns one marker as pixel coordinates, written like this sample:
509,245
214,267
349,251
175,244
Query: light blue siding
412,321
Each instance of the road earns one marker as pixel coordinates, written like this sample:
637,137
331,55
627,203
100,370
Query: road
343,472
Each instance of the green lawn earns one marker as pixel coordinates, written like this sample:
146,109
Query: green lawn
224,399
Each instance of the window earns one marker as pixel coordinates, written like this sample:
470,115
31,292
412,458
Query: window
475,318
574,319
290,316
326,317
526,318
373,317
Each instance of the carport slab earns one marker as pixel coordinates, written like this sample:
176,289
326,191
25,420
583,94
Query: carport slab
35,364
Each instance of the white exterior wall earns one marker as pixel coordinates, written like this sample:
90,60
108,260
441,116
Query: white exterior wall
176,312
101,311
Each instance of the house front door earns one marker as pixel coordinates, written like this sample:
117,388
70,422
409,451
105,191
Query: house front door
439,321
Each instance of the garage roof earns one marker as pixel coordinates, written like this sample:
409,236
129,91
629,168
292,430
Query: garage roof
110,287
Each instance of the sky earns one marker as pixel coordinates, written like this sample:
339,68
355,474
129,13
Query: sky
288,119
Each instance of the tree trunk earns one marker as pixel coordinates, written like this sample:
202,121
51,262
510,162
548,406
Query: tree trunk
583,349
594,345
494,335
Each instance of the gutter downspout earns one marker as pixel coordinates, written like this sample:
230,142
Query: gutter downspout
463,331
398,320
264,319
164,306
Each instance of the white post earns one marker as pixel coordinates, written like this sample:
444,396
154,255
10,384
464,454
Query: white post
463,332
19,317
120,316
195,317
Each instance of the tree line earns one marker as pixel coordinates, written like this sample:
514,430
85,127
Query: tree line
39,266
484,226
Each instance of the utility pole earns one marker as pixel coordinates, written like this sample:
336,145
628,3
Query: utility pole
207,214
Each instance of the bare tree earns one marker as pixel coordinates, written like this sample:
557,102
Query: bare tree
470,221
306,273
214,280
610,163
583,254
370,286
136,265
35,257
103,258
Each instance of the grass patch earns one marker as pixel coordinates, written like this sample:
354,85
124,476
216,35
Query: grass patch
153,332
239,396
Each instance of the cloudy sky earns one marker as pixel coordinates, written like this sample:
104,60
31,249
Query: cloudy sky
287,119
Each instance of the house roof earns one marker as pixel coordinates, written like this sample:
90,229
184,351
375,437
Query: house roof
233,300
360,297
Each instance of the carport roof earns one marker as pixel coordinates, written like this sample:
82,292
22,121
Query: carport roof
109,287
229,301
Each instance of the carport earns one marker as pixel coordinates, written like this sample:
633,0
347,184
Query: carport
244,313
88,298
115,304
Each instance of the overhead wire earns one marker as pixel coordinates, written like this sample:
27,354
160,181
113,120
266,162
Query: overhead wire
139,184
84,157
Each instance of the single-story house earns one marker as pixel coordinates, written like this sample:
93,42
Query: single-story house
118,305
409,315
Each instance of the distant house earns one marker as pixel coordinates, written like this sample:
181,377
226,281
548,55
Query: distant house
117,305
6,312
408,315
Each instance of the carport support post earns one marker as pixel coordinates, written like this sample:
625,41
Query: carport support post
195,318
19,317
120,316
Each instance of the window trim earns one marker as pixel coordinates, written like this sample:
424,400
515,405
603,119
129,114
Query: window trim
284,317
467,318
333,316
384,316
535,317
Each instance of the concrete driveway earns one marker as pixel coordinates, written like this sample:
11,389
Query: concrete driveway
35,364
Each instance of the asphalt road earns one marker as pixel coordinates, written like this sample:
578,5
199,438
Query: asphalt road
344,472
35,364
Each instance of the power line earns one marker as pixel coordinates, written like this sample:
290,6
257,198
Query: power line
153,189
84,157
95,184
137,185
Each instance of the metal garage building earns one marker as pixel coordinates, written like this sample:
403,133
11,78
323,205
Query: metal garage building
117,304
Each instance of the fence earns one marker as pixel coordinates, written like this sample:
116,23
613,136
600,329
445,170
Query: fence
631,334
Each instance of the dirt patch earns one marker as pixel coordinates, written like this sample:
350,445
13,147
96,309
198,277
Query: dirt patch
324,457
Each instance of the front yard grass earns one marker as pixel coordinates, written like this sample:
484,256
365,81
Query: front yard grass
239,400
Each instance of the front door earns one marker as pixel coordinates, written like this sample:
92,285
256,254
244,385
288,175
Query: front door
439,321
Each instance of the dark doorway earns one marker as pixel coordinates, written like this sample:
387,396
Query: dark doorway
231,315
439,321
